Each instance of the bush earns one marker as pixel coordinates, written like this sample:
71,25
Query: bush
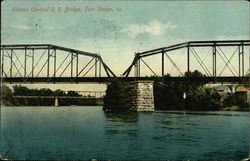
169,96
117,97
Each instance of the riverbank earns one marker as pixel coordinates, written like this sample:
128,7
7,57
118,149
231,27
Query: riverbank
236,108
98,104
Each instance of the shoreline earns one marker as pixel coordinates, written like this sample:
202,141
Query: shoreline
232,108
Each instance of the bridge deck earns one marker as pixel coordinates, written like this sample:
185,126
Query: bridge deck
126,79
71,97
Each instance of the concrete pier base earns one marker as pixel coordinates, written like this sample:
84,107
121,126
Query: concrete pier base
142,95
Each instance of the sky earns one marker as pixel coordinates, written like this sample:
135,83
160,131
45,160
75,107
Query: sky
132,26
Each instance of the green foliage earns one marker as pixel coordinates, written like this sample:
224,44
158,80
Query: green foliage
6,95
196,73
19,90
117,97
231,100
169,96
59,92
234,100
73,93
202,98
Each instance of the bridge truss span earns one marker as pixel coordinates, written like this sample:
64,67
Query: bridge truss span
212,58
34,61
223,61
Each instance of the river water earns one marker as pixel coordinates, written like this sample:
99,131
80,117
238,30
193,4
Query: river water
45,133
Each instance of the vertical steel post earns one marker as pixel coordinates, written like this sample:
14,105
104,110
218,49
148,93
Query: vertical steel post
77,65
100,67
188,58
48,62
32,70
2,51
162,63
214,60
135,67
54,63
139,68
242,57
2,59
239,60
1,83
25,61
95,66
11,61
2,64
71,63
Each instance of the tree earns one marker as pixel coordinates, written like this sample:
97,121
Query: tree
169,96
19,90
73,93
6,95
59,92
117,97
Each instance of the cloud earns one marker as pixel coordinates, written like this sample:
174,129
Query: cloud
225,37
155,28
21,27
38,27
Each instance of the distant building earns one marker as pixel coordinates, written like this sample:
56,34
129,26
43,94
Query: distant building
243,93
224,88
224,91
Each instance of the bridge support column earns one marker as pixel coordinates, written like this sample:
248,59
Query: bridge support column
56,102
142,95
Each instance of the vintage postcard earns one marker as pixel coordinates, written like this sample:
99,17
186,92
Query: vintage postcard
125,80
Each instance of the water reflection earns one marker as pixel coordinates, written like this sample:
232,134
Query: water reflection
124,117
121,124
207,113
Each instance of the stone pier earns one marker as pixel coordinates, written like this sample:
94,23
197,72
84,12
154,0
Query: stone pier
142,95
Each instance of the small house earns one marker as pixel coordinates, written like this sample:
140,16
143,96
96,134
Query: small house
224,91
224,88
243,93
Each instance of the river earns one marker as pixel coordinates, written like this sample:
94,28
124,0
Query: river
49,133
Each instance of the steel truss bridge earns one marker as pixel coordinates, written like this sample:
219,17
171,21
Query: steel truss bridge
50,63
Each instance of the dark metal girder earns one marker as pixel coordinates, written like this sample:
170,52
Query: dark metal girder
160,51
209,45
196,44
221,41
38,48
74,51
45,46
244,79
162,48
24,45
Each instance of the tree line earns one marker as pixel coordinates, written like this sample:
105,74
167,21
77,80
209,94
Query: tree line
8,97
